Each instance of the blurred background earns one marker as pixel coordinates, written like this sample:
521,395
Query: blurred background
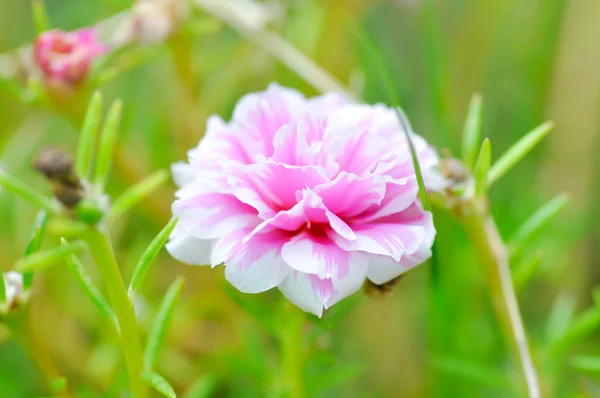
531,60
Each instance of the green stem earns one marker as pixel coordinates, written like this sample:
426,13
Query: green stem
102,252
292,353
493,254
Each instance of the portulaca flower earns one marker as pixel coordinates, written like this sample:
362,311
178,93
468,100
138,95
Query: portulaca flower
308,195
65,57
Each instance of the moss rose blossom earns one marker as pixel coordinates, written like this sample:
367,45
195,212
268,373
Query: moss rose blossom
308,195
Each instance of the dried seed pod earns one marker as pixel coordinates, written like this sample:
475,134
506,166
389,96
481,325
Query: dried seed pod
57,167
373,290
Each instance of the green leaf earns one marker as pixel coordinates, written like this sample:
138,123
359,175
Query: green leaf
472,132
560,317
108,139
40,16
518,151
524,271
2,290
159,383
482,168
161,322
35,243
473,372
137,193
85,282
204,387
19,188
89,137
149,255
583,325
46,258
587,364
408,131
536,223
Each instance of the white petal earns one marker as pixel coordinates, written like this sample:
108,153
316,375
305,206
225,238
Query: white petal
190,250
298,288
262,274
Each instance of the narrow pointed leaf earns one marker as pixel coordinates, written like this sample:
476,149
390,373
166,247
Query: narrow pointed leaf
518,151
583,325
161,323
85,282
525,270
19,188
108,139
472,131
89,137
40,16
561,315
408,131
46,258
158,383
2,290
149,255
137,193
204,387
482,167
587,364
534,224
35,243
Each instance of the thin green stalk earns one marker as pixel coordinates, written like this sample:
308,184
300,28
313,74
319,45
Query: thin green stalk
102,252
493,254
292,353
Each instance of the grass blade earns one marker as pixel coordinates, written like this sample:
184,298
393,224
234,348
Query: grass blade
137,193
46,258
35,243
523,272
149,255
40,16
108,139
85,282
2,291
587,364
482,168
408,131
159,383
89,136
472,131
534,224
19,188
518,151
204,387
161,322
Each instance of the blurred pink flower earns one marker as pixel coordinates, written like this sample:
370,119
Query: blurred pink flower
65,57
309,195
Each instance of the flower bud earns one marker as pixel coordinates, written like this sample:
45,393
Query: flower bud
57,167
65,57
15,293
151,21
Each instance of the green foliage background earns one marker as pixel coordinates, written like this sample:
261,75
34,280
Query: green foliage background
532,60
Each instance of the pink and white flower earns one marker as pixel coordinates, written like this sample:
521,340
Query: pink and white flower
308,195
65,57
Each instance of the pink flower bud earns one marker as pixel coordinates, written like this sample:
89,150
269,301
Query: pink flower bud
65,57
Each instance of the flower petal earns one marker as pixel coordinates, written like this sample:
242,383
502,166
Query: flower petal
253,266
307,291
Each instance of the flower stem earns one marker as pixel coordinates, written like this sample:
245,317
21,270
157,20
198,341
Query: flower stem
292,354
493,253
102,252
